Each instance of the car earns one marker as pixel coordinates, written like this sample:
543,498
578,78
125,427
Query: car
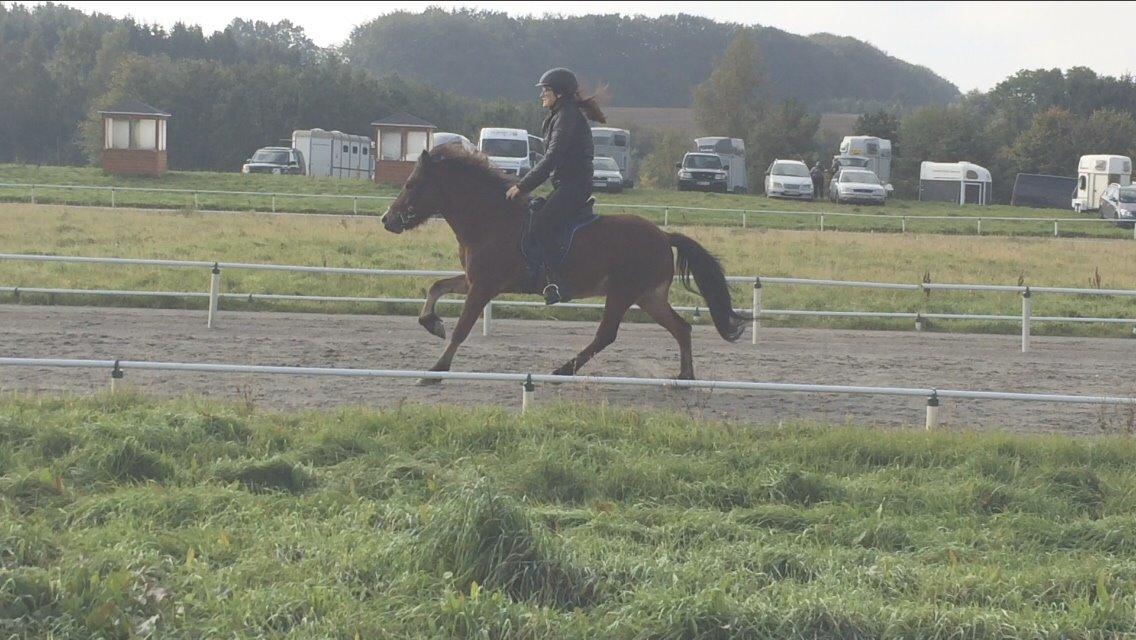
1119,203
856,185
279,160
701,172
606,175
788,179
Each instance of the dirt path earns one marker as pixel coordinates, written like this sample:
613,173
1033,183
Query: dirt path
956,361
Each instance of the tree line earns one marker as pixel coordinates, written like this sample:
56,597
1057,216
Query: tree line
1036,121
247,86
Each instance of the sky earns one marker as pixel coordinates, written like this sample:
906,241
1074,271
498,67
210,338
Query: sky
972,44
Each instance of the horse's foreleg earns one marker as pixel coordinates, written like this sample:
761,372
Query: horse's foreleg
429,317
614,309
474,303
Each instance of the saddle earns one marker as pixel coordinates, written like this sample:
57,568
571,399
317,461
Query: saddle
551,252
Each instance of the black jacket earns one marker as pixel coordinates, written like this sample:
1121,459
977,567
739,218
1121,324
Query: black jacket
568,149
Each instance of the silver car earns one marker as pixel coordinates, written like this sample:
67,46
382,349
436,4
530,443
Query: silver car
856,185
1119,203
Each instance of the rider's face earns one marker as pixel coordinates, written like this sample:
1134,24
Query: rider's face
547,97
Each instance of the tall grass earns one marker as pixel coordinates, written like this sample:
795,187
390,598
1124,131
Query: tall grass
424,522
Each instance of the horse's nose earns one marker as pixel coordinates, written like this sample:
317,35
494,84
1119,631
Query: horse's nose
390,223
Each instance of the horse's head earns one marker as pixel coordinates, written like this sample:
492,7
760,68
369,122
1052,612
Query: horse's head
419,199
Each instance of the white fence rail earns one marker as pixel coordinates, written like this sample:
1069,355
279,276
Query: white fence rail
117,369
743,215
757,309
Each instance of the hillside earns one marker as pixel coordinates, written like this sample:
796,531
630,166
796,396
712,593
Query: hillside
649,62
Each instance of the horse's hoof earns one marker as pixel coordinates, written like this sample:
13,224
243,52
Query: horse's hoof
434,325
428,382
685,375
566,370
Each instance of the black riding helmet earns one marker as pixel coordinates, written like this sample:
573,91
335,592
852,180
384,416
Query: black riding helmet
561,81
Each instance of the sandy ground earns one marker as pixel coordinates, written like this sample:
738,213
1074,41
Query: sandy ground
1087,366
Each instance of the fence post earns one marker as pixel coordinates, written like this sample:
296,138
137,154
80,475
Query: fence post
903,227
355,204
112,197
918,322
487,318
33,194
116,374
527,390
932,411
274,203
214,294
196,206
1027,314
1054,228
743,219
666,216
980,226
756,308
822,222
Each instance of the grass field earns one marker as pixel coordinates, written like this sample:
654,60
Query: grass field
893,218
362,243
123,518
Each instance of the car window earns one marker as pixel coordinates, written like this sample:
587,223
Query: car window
605,164
790,169
1127,196
858,176
702,162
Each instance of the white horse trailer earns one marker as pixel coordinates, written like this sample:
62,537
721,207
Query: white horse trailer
335,154
1094,174
876,152
732,153
615,144
957,182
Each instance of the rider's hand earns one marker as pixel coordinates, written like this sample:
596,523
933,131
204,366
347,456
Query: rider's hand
513,192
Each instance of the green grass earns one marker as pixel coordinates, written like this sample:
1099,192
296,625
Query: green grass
124,517
898,214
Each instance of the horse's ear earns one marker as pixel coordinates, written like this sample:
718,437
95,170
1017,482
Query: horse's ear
424,157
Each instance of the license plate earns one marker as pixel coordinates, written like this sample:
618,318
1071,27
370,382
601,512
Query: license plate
704,183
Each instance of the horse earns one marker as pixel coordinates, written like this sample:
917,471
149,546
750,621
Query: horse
625,258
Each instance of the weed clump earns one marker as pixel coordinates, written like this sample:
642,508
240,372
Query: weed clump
480,536
275,474
128,461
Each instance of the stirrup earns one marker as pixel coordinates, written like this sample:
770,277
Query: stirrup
552,293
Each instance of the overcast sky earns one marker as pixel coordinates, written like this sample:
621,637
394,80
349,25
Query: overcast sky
972,44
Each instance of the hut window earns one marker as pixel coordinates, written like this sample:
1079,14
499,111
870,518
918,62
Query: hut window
124,133
144,134
415,144
390,145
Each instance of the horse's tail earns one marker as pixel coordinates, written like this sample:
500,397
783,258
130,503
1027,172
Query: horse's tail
694,259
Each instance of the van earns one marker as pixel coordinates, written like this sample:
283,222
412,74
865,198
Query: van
615,144
731,151
513,151
1094,174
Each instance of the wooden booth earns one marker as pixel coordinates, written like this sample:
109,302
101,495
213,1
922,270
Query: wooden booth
134,139
399,140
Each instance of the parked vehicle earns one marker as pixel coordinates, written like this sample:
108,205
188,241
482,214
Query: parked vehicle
615,144
856,185
1119,203
513,151
868,152
1094,174
731,151
278,160
443,138
606,175
334,154
701,172
957,182
788,179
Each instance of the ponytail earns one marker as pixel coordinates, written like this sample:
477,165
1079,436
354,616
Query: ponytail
591,105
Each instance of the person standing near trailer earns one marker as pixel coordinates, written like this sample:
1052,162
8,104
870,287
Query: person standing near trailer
817,174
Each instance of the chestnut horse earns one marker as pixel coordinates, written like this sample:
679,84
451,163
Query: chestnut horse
625,258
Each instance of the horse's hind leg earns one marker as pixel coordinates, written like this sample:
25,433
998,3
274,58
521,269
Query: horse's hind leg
429,318
614,309
655,303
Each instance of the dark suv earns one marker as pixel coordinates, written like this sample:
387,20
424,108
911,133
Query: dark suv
701,172
280,160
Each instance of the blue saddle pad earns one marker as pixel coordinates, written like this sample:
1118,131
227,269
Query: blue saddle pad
536,255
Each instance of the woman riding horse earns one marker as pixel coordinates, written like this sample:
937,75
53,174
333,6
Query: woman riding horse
568,161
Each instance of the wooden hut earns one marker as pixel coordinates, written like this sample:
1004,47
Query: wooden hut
399,140
134,139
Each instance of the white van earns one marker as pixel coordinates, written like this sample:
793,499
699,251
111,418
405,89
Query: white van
334,154
513,151
732,153
1094,174
615,144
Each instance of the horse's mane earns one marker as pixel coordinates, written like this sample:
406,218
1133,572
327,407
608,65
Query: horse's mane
473,161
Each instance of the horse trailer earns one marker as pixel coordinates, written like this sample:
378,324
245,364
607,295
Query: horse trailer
868,152
957,182
334,154
1094,174
732,153
615,144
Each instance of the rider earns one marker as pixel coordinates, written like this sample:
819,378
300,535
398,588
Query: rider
568,160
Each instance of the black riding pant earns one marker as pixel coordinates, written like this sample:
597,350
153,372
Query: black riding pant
564,203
